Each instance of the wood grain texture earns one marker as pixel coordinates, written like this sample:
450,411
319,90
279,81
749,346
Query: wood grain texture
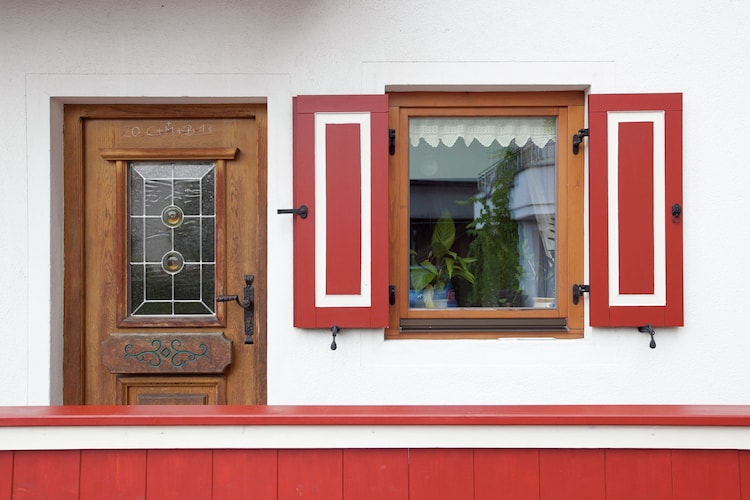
633,474
245,474
506,474
571,474
310,474
441,473
699,474
6,474
46,474
113,474
376,474
176,475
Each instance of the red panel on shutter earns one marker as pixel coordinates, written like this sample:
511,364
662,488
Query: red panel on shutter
341,175
636,208
635,178
343,214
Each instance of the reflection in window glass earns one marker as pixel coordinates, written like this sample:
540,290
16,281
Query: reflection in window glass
171,254
482,212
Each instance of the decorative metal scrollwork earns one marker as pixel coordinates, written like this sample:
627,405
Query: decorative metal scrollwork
160,353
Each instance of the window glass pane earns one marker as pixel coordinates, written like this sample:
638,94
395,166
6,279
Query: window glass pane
172,239
482,212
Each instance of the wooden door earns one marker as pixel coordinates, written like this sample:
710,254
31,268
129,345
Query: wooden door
164,214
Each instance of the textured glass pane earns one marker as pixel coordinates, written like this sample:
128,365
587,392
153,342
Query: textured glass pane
208,193
191,308
187,283
155,309
136,193
158,283
187,239
209,284
137,277
158,195
187,195
209,240
136,239
158,240
482,212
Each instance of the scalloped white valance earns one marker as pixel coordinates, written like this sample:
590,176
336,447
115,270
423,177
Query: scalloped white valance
485,130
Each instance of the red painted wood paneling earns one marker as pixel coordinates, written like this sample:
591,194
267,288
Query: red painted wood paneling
701,474
636,207
6,474
506,474
46,474
633,474
376,474
571,474
179,474
365,474
343,210
744,457
441,473
310,474
113,474
245,474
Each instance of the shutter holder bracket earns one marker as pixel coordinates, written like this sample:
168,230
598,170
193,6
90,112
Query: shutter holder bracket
578,291
334,330
650,330
578,139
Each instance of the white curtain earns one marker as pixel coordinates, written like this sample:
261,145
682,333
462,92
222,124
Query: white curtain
485,130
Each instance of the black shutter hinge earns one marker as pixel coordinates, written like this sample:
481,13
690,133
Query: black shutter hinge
579,290
392,294
392,141
578,139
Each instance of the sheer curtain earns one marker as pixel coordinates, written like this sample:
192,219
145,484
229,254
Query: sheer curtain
485,130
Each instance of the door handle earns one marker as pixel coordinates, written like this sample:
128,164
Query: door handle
248,304
301,211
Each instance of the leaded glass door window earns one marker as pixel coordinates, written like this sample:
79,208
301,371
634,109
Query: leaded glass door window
172,232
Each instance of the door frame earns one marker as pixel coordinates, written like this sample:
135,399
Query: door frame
74,237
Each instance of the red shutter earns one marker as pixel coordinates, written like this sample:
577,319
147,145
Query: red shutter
635,179
341,175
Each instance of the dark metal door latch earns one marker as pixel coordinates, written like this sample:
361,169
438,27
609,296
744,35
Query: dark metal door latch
676,212
301,211
248,304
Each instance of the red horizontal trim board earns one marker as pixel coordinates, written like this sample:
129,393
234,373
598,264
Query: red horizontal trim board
671,415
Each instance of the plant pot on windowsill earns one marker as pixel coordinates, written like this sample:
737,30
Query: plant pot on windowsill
432,276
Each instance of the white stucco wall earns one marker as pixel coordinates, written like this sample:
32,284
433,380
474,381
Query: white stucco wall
85,50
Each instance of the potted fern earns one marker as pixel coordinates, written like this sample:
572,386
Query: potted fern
433,274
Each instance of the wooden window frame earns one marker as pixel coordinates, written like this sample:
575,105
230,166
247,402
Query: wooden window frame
566,320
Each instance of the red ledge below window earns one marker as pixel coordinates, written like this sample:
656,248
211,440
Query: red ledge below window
666,415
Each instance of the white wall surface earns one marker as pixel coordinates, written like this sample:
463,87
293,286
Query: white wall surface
86,50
